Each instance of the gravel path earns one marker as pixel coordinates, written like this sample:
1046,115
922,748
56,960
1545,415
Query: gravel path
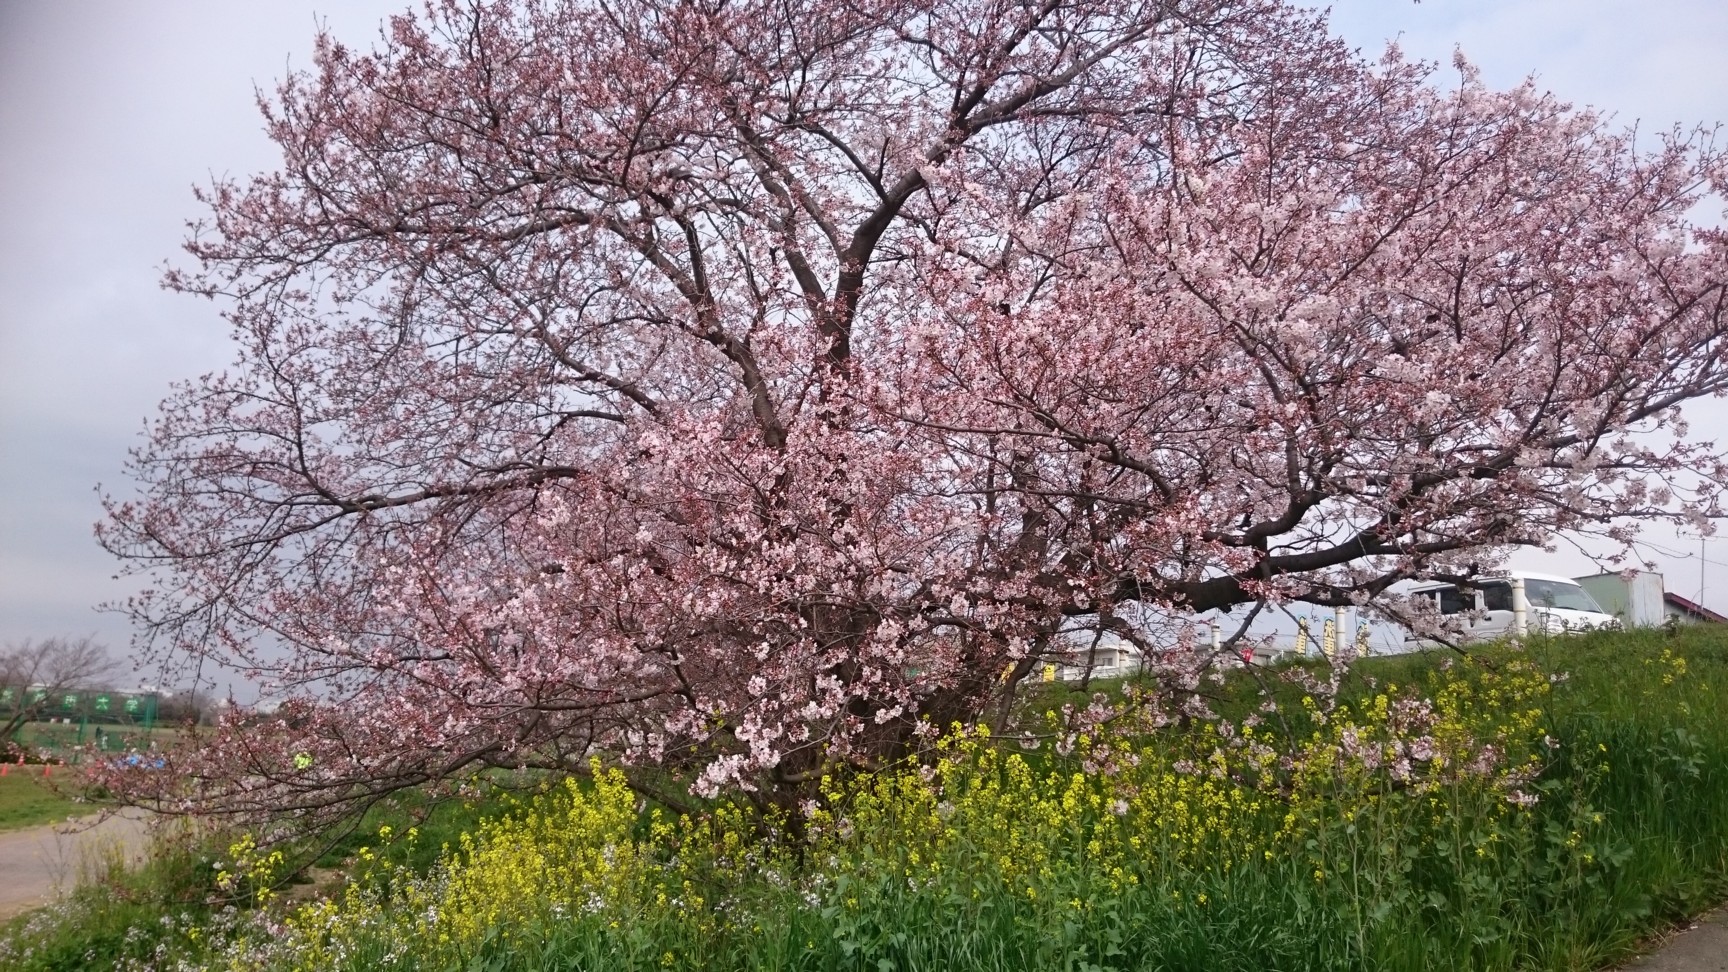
36,863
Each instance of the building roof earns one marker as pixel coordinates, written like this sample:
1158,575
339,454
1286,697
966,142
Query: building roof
1691,607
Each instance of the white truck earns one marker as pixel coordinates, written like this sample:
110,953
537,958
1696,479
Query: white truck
1517,601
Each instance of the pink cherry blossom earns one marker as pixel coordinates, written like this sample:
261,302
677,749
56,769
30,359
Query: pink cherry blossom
746,388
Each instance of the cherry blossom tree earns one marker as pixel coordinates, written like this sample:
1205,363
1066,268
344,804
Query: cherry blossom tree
746,389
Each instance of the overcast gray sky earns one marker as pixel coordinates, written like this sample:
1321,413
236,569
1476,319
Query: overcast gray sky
111,110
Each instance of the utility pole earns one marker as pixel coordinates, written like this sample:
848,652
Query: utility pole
1702,562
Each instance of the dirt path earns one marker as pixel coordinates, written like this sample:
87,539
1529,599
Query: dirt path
39,862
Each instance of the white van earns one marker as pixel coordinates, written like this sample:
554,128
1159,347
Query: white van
1493,605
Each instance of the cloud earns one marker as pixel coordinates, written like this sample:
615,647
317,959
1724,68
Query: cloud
109,114
1655,61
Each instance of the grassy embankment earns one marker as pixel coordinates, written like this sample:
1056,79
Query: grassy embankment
1597,818
27,800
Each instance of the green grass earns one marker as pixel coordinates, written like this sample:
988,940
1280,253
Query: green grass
26,800
1629,836
64,738
439,822
119,915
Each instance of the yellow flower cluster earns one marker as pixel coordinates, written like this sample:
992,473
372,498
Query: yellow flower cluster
254,869
985,819
980,820
1672,667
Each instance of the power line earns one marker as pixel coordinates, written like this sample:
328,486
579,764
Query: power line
1681,555
1701,556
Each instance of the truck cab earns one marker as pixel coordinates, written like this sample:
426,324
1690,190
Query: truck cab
1490,606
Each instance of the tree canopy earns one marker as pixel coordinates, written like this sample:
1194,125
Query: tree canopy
749,387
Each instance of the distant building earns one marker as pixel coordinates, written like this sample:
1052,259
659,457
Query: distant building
1685,610
1109,657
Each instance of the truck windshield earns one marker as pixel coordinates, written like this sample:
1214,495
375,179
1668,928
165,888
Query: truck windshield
1557,594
